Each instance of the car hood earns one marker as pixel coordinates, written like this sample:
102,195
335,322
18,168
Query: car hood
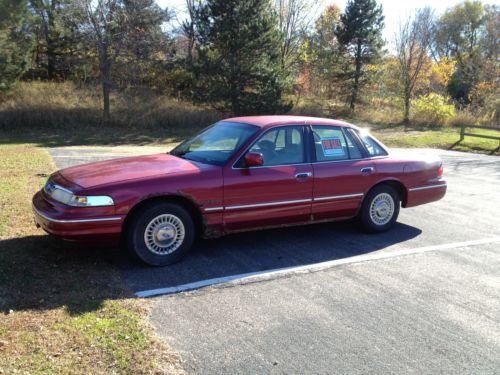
131,168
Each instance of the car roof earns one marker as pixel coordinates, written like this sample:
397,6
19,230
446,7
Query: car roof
267,121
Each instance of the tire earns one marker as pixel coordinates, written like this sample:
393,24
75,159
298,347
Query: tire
379,220
161,234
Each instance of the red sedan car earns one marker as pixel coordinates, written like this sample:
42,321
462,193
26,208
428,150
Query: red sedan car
238,174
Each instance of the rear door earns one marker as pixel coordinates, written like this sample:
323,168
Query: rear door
342,172
277,193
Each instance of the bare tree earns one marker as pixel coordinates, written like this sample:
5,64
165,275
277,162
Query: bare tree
295,17
412,44
192,7
105,23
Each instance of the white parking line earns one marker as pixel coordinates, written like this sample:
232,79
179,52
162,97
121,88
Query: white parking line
245,278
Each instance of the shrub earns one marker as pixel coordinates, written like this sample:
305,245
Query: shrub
432,109
464,117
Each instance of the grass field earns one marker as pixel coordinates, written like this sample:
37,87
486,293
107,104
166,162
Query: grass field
62,114
445,138
63,308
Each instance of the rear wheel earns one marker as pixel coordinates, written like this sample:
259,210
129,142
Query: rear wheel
380,209
161,234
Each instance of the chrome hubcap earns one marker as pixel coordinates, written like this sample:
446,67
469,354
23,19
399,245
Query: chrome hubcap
164,234
382,209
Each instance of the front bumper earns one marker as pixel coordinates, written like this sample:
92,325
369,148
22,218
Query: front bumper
76,223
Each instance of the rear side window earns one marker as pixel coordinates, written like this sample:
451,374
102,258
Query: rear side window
331,143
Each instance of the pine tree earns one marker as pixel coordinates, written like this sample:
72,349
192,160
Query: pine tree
361,33
330,61
238,65
56,39
15,41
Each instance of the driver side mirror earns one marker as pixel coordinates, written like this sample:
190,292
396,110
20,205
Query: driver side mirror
254,159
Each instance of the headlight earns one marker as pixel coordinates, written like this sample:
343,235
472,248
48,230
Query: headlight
91,201
66,196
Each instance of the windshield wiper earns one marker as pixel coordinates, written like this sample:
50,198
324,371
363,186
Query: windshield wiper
179,154
182,155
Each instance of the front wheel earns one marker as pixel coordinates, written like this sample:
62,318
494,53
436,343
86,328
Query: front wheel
161,234
380,209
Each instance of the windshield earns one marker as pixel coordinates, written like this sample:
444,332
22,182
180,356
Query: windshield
216,144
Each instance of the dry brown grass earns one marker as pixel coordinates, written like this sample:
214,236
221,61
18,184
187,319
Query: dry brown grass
60,114
63,308
51,105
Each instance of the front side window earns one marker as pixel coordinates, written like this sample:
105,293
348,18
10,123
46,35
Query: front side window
281,146
216,144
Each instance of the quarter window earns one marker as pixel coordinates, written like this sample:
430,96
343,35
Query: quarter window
284,145
373,148
353,145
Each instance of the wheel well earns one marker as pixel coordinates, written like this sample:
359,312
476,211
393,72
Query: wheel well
180,200
399,187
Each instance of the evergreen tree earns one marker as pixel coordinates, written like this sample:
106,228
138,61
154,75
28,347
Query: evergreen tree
361,33
145,45
329,59
238,65
15,41
55,39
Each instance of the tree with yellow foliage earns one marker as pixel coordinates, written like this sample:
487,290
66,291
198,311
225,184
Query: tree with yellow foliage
440,74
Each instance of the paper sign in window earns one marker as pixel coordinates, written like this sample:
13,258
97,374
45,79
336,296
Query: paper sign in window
332,146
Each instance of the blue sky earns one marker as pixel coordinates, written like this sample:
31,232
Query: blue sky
394,10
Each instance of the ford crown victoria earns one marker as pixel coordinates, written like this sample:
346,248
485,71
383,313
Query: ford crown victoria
239,174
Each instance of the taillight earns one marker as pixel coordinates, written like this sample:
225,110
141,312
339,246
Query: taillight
440,171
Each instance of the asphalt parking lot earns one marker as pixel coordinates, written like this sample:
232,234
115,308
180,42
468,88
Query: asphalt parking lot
428,311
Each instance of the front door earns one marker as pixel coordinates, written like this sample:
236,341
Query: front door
277,193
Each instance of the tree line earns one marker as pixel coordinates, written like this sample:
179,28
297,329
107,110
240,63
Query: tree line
255,56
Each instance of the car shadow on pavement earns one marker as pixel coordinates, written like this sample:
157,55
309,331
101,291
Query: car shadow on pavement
42,272
264,250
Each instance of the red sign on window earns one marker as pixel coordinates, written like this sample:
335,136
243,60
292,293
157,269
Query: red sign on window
331,144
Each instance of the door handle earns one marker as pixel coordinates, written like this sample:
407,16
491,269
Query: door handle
303,175
367,170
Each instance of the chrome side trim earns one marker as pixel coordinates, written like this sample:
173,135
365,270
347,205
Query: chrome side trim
280,203
270,166
314,162
334,197
212,209
99,219
427,187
